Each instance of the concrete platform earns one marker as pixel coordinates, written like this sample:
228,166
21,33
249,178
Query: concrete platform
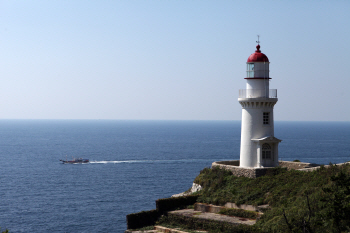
159,229
212,216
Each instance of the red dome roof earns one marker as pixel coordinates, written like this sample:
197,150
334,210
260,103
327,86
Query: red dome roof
258,56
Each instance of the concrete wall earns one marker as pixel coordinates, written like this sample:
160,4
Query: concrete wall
296,165
241,171
234,167
252,127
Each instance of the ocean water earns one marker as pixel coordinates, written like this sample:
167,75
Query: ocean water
133,163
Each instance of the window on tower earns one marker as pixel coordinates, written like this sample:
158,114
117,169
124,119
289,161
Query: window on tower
266,118
250,70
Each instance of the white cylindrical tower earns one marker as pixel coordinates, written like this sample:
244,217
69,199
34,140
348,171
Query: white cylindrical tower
259,147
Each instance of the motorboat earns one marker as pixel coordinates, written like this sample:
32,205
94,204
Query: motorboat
73,161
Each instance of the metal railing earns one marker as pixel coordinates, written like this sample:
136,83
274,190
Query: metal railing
257,93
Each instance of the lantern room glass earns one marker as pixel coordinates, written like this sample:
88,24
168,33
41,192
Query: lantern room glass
250,70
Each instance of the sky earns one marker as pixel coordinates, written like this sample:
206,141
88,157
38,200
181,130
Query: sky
170,60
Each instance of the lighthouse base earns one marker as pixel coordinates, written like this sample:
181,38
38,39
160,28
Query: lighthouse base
250,172
254,172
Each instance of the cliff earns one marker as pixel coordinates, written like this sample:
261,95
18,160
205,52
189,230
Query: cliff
315,201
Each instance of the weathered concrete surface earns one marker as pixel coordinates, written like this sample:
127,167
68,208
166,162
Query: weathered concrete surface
309,169
296,165
170,230
250,172
253,172
158,229
207,208
216,209
148,231
246,207
211,216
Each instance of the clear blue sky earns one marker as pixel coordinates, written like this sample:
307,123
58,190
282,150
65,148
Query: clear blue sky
170,60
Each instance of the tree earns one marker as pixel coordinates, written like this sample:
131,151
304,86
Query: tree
304,224
338,202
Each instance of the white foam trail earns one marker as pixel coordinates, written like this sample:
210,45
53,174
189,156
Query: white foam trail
153,161
129,161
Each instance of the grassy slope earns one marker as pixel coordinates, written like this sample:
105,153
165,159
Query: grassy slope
308,200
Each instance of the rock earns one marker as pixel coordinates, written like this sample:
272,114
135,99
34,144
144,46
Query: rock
195,188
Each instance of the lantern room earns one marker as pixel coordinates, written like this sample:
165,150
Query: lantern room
258,65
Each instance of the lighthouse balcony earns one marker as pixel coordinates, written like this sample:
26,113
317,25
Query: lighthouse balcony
257,93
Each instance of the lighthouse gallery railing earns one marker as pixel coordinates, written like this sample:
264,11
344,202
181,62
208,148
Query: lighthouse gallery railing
257,93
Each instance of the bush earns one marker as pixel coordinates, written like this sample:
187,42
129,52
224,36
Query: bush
173,203
142,219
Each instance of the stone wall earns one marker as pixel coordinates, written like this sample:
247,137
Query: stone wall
296,165
233,166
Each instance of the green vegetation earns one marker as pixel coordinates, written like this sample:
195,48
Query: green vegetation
310,202
174,203
239,213
142,219
149,218
317,201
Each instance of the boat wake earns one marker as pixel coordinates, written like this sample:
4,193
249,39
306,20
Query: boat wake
129,161
154,161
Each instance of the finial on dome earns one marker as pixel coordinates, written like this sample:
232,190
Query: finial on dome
258,46
258,49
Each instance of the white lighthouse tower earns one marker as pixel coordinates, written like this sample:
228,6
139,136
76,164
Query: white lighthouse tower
259,147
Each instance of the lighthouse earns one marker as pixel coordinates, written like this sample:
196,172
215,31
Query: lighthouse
259,147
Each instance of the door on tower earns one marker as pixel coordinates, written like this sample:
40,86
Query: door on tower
267,155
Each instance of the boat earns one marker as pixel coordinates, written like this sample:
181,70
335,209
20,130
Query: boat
79,160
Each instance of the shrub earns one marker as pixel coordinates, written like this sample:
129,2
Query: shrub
173,203
142,219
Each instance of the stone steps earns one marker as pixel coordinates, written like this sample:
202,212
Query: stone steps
216,209
158,229
213,216
170,230
147,231
209,212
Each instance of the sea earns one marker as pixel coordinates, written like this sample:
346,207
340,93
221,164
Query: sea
132,163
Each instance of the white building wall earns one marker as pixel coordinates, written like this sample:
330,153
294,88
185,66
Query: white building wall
255,100
253,128
258,84
261,69
275,154
257,88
